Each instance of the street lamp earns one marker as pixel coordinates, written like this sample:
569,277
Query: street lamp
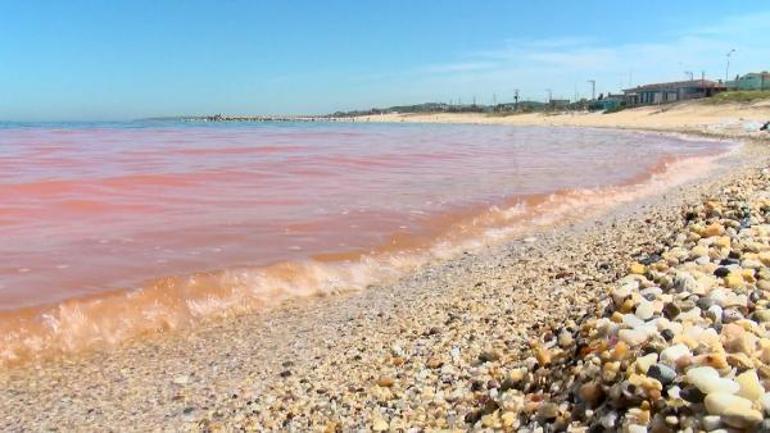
727,68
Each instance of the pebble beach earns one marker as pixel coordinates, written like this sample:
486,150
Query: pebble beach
652,317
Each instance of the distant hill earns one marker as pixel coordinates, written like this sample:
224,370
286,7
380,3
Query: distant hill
440,107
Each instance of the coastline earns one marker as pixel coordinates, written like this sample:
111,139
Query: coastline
698,118
309,365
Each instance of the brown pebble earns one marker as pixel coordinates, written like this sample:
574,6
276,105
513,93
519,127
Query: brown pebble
385,381
490,356
543,356
592,393
434,362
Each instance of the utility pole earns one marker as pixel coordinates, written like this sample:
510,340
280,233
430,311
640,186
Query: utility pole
515,99
727,68
593,89
689,74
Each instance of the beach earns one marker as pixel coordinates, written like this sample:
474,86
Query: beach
532,334
694,117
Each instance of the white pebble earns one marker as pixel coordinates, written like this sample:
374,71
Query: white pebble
711,422
632,337
708,381
750,387
719,403
671,354
645,310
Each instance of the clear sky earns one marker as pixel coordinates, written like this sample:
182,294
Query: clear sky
75,59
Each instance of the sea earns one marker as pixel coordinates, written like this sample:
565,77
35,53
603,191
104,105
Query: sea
114,231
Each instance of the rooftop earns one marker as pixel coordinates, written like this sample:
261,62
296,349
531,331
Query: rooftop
703,84
757,74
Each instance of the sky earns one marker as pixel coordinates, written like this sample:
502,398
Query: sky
100,60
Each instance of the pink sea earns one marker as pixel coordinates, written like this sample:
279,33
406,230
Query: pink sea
111,231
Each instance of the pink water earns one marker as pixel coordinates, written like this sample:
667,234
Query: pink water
113,231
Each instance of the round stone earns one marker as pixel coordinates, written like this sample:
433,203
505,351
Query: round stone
662,373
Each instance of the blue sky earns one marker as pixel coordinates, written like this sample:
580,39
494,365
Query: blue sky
99,60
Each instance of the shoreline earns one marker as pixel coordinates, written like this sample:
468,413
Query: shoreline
162,304
698,118
314,350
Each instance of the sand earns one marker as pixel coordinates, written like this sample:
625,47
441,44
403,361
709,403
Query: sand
729,120
401,357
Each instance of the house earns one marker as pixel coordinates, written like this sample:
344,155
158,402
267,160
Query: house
751,81
661,93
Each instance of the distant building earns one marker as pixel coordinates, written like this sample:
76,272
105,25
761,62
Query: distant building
751,81
661,93
609,102
558,103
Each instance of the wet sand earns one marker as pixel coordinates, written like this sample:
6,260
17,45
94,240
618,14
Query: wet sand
411,356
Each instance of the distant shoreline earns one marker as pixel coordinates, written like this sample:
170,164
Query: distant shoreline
236,118
730,120
698,117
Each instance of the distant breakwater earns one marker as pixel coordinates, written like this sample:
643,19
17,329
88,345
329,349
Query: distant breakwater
257,118
262,118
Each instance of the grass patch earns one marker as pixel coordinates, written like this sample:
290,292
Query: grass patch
615,109
740,97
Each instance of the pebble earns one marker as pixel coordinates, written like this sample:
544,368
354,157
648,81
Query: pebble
182,380
662,373
672,354
750,387
719,403
708,381
645,310
711,422
490,356
671,310
632,337
380,424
